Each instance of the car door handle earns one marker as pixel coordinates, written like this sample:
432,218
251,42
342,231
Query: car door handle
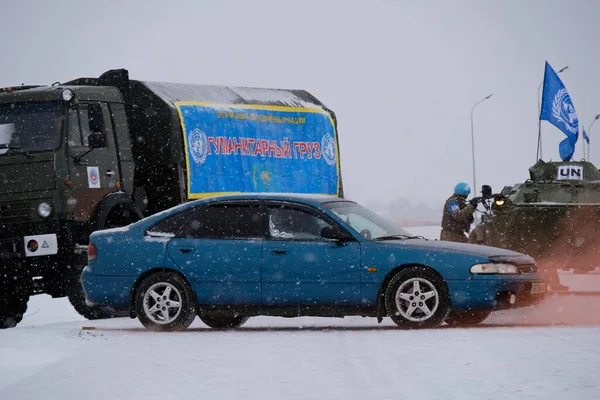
279,252
110,173
186,249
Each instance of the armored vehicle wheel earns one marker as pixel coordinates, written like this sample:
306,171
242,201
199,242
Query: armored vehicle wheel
223,322
467,318
13,304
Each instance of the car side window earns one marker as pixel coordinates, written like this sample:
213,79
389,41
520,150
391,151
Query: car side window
171,225
289,223
226,221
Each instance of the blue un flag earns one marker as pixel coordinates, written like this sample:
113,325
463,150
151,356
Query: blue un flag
558,109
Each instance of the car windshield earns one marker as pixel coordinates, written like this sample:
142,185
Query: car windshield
366,222
29,127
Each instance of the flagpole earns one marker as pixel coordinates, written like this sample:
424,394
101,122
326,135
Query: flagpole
582,140
473,140
539,148
538,155
589,132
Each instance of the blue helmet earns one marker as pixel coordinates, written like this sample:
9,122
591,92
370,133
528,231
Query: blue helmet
462,189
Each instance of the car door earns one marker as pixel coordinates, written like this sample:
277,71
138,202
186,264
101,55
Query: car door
300,267
220,250
94,172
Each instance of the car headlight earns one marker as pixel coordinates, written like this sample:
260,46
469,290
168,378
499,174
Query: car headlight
495,268
44,210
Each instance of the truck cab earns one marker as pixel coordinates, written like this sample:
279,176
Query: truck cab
63,151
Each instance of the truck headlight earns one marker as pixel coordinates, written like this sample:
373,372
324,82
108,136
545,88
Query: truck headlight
44,210
495,268
67,94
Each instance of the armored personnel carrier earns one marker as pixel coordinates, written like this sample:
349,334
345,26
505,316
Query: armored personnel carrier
554,216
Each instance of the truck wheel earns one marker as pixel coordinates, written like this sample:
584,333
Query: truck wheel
118,217
223,322
13,304
77,300
165,302
122,215
467,318
417,297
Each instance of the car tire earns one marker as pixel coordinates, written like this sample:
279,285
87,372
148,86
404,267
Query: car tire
165,302
416,298
223,322
468,318
13,304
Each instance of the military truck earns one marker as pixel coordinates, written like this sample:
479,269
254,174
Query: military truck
98,153
554,216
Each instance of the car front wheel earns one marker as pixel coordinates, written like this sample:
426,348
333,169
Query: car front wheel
417,297
165,302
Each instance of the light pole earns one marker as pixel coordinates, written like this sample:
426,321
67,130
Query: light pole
473,138
539,98
589,132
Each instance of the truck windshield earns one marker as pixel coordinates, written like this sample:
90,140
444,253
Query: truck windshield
30,127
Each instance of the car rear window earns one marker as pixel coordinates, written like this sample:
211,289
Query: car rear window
172,224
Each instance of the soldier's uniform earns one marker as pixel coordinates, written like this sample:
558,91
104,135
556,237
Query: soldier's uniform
456,219
478,235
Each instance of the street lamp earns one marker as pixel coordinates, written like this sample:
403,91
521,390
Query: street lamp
589,132
539,97
473,138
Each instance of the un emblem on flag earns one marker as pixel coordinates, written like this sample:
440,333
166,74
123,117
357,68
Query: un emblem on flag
198,143
563,111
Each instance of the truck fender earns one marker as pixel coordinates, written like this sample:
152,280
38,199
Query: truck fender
108,203
140,198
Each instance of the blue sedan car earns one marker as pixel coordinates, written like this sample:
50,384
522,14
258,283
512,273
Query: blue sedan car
228,258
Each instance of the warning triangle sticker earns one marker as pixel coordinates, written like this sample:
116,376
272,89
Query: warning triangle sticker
45,245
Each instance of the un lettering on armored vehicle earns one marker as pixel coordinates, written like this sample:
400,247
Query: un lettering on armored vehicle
98,153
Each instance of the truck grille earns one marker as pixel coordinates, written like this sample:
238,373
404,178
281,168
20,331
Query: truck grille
14,212
528,269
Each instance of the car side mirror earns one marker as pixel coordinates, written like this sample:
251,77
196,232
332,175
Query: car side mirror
332,233
97,140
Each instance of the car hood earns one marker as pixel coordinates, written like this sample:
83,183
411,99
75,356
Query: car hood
494,254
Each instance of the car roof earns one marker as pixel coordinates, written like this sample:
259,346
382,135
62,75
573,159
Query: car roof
298,197
309,199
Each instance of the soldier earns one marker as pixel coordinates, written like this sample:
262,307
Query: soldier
457,216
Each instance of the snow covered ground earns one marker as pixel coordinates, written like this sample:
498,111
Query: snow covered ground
547,352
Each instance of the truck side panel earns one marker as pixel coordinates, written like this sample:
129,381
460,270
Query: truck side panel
259,148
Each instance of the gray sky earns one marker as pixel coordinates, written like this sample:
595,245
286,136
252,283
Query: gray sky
402,76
